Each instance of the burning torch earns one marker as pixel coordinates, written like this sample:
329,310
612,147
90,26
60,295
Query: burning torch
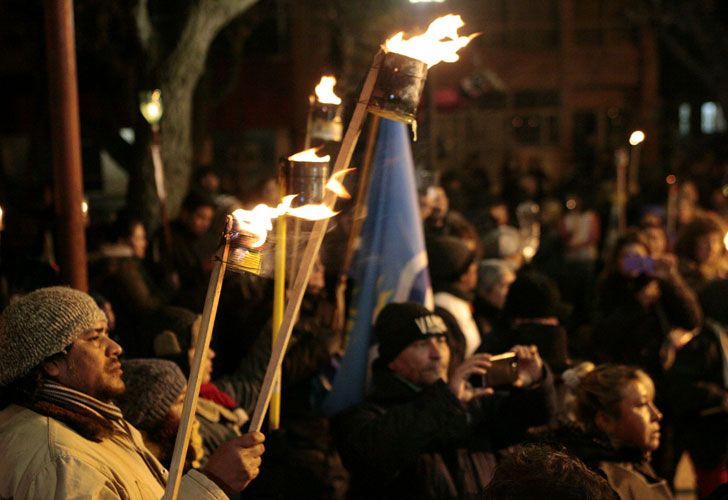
324,113
392,88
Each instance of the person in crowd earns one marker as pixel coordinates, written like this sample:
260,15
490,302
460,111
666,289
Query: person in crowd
702,252
423,433
225,403
152,402
617,430
495,277
190,253
532,314
655,234
454,275
118,271
504,242
644,308
62,435
301,459
533,471
698,388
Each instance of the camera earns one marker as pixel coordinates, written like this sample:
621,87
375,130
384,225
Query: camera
503,372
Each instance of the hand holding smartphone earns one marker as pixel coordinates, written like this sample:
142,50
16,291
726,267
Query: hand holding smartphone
502,373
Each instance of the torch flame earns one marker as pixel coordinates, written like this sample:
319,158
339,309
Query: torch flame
335,186
439,43
309,155
325,91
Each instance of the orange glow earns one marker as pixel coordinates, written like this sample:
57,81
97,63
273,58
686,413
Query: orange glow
439,43
325,91
310,156
671,179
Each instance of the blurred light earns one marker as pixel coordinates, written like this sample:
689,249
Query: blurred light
725,241
637,137
671,179
127,133
426,1
1,219
150,104
571,203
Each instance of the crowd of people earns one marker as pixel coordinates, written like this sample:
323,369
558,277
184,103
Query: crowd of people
564,358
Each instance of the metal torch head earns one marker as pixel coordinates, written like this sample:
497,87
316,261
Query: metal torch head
398,89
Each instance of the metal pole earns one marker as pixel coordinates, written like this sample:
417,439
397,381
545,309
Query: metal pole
66,141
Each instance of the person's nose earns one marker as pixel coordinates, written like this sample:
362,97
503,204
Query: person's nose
655,414
434,350
114,349
211,354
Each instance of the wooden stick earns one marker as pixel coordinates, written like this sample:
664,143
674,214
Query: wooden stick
356,224
279,300
312,248
195,379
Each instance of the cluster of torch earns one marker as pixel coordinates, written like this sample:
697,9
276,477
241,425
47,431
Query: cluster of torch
392,89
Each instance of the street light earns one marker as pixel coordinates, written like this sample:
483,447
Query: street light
636,138
150,104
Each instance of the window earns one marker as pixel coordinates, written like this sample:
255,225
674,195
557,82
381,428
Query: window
711,118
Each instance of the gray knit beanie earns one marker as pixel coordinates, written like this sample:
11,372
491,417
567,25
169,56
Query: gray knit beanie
152,387
40,324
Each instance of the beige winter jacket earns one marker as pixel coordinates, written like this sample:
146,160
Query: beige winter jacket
41,457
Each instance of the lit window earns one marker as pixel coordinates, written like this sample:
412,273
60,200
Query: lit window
711,118
683,114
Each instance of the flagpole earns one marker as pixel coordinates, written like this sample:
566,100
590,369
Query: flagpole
312,247
357,222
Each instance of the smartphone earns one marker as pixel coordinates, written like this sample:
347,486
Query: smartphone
503,372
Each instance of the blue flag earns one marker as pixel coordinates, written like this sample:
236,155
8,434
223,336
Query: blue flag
391,261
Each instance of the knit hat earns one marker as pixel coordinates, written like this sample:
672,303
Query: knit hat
448,258
152,387
398,325
40,324
534,295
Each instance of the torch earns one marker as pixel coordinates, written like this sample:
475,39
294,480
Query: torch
635,140
672,195
150,105
397,98
324,113
247,247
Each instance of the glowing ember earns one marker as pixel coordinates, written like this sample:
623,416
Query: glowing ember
725,241
310,156
335,186
439,43
325,91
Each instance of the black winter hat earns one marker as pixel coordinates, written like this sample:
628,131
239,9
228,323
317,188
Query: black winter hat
448,258
398,325
534,295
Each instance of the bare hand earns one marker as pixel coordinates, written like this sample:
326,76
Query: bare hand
530,365
650,294
665,266
477,364
235,463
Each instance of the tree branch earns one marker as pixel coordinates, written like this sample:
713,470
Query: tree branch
145,30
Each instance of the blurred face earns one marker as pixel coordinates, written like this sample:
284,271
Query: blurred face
657,240
174,414
92,365
207,365
199,221
630,250
138,241
469,280
498,292
709,247
638,424
317,281
423,362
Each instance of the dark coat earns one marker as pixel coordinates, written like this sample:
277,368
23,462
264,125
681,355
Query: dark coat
410,442
626,332
697,391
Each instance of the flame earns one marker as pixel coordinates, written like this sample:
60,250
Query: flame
439,43
335,186
309,155
255,224
325,91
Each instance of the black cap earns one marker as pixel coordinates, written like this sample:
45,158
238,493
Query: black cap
398,325
534,295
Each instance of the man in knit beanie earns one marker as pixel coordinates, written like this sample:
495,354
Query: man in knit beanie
61,435
424,433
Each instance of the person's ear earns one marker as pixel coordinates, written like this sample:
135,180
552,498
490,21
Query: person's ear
605,423
52,368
